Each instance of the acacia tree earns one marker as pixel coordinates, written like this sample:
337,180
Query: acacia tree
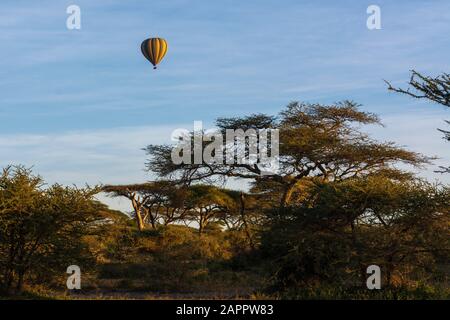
434,89
321,141
41,229
342,227
167,202
132,193
153,202
244,214
207,204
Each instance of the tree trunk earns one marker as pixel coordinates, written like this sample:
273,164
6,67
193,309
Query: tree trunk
140,222
244,221
137,212
201,222
200,228
152,221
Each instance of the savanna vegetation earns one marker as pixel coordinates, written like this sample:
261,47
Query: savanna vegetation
340,201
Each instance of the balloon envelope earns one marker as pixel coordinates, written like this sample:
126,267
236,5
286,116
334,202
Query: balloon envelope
154,49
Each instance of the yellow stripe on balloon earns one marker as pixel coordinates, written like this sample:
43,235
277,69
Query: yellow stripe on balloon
157,51
163,46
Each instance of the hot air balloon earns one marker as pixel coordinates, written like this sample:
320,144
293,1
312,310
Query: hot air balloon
154,49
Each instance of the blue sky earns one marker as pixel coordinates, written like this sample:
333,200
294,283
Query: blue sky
78,105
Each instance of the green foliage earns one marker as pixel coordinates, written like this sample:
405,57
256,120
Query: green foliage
343,227
176,258
42,229
316,141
